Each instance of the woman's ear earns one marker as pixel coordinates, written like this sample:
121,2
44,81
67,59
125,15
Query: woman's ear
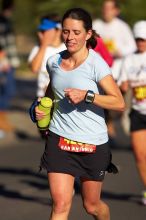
89,34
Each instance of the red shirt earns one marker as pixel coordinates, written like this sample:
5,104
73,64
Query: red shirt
103,51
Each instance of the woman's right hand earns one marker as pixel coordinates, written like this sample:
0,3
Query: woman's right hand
39,114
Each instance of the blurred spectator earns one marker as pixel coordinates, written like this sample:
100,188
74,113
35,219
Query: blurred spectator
133,76
4,70
4,61
119,40
50,42
115,32
7,42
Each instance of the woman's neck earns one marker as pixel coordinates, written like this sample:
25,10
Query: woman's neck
71,61
79,56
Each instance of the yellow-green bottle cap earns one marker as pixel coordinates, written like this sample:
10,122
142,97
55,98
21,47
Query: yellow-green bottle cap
46,102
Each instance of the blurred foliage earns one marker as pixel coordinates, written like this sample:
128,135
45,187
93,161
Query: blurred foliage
133,10
26,16
27,13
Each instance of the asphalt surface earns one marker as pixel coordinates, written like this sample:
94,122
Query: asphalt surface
24,191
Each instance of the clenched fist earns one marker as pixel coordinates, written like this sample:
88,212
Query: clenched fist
75,96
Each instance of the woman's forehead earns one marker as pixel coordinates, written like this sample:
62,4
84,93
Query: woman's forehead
72,22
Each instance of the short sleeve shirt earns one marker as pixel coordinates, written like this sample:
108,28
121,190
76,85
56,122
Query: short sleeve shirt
134,71
82,122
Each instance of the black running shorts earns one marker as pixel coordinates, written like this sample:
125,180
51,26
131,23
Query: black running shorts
137,121
91,166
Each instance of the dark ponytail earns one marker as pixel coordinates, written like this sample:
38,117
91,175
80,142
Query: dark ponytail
92,42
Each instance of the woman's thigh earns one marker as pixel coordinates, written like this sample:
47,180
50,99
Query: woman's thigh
138,139
61,186
91,190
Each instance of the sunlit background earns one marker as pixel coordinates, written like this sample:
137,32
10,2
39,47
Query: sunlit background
27,13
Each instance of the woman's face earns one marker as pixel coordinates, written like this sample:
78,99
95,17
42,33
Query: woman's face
141,45
109,11
47,36
74,34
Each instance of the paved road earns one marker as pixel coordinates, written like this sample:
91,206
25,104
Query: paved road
24,191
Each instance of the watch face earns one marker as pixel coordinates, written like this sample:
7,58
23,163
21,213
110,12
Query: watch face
90,96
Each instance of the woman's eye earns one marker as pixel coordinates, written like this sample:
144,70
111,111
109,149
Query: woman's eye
77,32
65,32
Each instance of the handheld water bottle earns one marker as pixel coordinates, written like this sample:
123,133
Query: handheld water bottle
45,105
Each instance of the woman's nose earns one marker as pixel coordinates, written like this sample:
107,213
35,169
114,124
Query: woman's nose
70,36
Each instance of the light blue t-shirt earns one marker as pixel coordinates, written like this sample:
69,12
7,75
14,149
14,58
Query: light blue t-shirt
82,122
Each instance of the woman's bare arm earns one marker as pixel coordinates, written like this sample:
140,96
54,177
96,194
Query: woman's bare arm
112,99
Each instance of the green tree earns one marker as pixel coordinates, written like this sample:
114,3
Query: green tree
134,10
27,13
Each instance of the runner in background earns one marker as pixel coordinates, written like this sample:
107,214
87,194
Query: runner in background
133,76
118,37
115,32
50,42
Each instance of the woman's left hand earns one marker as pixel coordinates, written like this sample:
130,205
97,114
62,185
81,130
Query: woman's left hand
75,96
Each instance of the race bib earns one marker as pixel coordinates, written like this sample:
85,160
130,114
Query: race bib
74,146
139,93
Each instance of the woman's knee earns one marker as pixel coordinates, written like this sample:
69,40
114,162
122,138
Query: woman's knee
91,207
61,206
96,208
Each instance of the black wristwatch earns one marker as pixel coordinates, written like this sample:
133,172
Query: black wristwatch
90,95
